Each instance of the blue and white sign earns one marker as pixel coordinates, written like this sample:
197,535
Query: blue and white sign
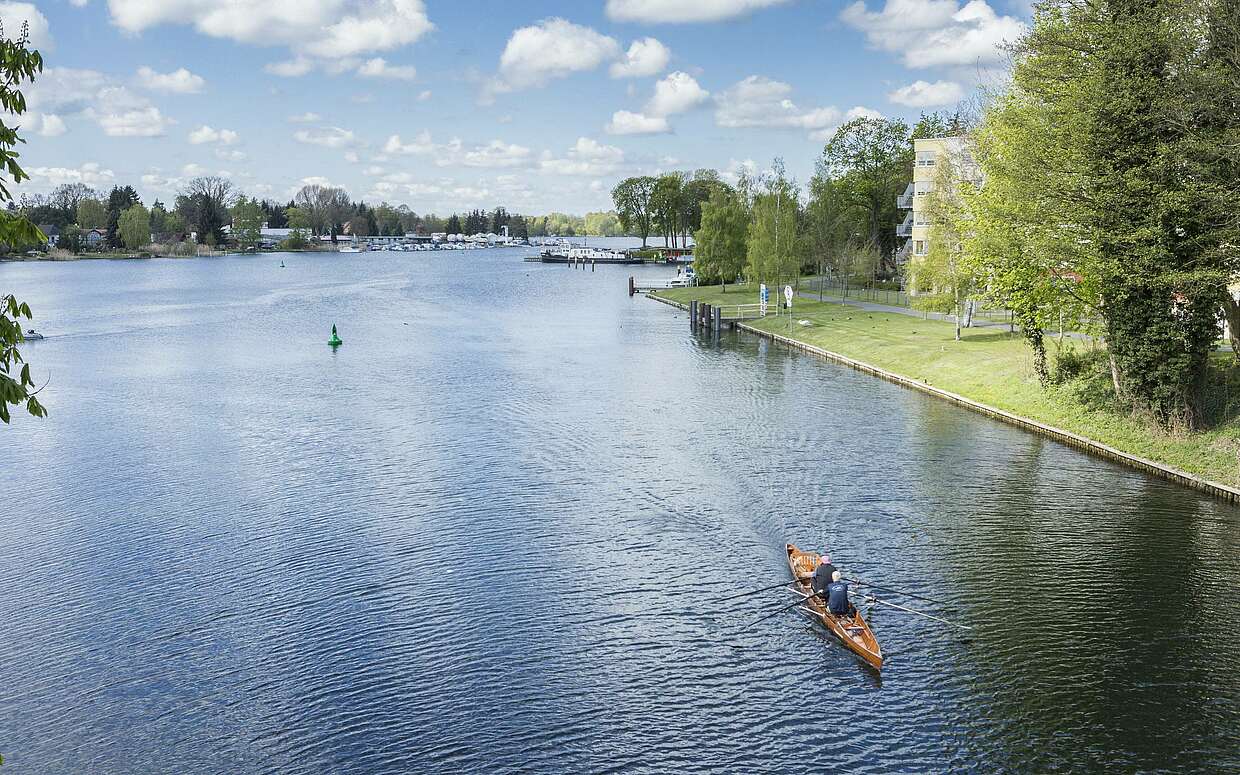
764,296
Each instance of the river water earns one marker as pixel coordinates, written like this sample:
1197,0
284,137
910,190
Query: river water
489,534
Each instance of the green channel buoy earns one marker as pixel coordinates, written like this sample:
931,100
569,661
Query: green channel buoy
335,341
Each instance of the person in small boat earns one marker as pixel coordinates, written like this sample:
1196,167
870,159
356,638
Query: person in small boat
837,596
822,575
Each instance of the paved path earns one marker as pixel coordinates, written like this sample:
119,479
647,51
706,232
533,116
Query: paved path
873,306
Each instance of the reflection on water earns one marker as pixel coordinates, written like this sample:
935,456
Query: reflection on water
490,533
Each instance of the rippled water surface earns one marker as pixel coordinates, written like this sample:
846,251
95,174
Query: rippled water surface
489,534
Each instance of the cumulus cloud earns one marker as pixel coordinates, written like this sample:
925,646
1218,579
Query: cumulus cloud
62,93
922,94
328,29
552,48
91,173
421,144
13,15
586,157
327,137
680,11
379,68
935,33
205,134
179,81
624,122
424,95
758,101
676,93
305,118
230,154
644,58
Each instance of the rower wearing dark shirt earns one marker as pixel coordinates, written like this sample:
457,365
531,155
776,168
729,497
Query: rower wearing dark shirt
822,575
837,596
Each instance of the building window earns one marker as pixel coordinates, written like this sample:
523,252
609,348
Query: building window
919,247
925,158
923,187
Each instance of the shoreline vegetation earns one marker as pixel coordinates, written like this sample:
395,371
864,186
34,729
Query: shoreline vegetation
990,366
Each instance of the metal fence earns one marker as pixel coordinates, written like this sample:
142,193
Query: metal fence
825,287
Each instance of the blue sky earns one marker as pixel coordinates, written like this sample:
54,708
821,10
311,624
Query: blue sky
447,105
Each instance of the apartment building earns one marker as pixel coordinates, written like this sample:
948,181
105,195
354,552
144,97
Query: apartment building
928,152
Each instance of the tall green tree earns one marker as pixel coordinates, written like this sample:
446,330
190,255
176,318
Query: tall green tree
247,222
18,66
944,278
134,227
92,213
722,240
871,159
120,199
773,251
632,198
667,205
1117,85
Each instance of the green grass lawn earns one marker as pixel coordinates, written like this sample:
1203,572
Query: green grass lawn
988,365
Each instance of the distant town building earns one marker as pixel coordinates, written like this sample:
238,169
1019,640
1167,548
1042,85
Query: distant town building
95,238
52,232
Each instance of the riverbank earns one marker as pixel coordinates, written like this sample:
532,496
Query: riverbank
992,370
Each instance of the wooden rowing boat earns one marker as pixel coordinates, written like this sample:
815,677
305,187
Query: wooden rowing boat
852,630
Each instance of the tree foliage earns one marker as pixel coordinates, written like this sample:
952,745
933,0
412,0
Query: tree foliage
722,240
633,198
774,245
18,65
134,227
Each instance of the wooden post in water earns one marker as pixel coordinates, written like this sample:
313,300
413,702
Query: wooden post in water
693,315
592,265
632,288
718,322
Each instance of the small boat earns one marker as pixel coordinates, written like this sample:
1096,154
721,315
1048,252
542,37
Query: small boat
852,631
31,335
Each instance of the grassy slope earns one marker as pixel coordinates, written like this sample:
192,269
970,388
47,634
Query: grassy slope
989,365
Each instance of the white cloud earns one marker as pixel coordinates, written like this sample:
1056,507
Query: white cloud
179,81
65,93
230,154
193,170
586,157
624,122
292,68
327,29
205,134
678,11
328,137
553,48
922,94
732,173
494,154
761,102
305,118
676,93
645,57
351,157
135,122
379,68
13,15
934,33
423,96
827,132
421,144
91,174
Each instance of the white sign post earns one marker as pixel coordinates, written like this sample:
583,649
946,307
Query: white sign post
788,295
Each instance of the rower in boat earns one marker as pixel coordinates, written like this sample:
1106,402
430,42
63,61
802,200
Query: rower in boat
837,596
823,575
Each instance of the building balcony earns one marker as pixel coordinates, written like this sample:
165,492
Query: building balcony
905,229
906,250
905,201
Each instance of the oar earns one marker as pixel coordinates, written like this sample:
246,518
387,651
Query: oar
918,613
860,583
800,601
756,591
